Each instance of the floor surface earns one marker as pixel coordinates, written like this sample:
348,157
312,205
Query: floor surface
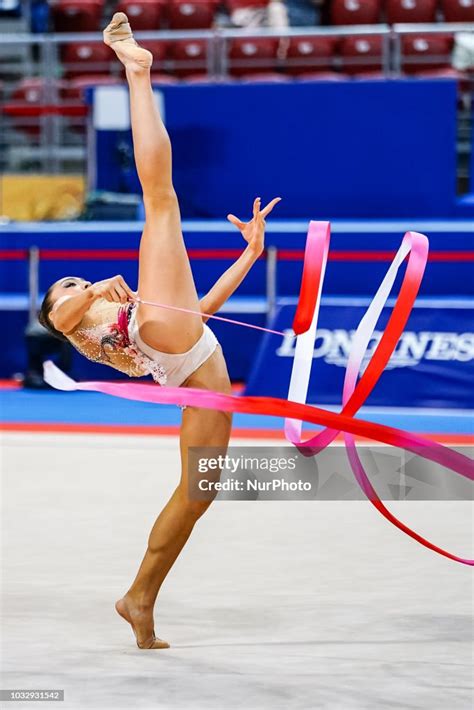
272,604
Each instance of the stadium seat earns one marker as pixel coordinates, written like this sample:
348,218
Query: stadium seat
31,93
143,14
323,76
310,54
32,90
233,5
411,10
189,57
252,55
458,10
86,58
191,14
426,52
77,15
206,79
265,77
361,54
371,76
355,12
77,86
163,79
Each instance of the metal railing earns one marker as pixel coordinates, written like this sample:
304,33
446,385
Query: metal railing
53,140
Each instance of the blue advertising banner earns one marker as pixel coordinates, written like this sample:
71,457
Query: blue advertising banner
432,365
337,149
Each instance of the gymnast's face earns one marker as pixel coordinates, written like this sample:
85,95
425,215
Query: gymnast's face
68,286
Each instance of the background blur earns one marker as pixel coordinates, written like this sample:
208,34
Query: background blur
356,111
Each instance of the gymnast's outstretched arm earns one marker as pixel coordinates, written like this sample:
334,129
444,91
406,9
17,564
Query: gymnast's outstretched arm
253,233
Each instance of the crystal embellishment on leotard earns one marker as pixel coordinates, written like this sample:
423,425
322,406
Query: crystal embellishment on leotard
109,343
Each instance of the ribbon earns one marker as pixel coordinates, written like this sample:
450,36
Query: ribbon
294,410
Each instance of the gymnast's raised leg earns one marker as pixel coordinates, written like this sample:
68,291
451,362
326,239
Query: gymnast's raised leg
165,276
164,271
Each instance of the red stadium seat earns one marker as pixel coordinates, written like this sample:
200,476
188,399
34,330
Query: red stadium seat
198,79
371,76
31,93
77,15
78,86
191,14
411,10
355,12
252,55
323,76
310,54
238,4
267,77
143,14
361,54
86,58
426,52
189,57
458,10
32,90
163,79
207,79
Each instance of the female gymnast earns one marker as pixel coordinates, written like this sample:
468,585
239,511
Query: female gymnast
107,324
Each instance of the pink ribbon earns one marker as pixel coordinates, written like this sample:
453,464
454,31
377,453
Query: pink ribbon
295,410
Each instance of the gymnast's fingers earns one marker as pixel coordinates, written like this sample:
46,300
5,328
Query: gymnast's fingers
120,295
126,287
237,222
256,207
266,210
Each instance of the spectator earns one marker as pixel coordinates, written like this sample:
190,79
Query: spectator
277,14
258,13
248,13
39,16
463,53
304,13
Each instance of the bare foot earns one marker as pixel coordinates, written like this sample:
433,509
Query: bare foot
118,35
141,622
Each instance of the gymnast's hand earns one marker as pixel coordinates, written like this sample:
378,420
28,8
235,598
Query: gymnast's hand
114,289
254,231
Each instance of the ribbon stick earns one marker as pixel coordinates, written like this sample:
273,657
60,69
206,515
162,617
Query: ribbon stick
355,391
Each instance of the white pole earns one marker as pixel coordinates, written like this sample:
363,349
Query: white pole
33,284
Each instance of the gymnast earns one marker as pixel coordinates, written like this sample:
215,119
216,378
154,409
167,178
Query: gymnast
108,323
